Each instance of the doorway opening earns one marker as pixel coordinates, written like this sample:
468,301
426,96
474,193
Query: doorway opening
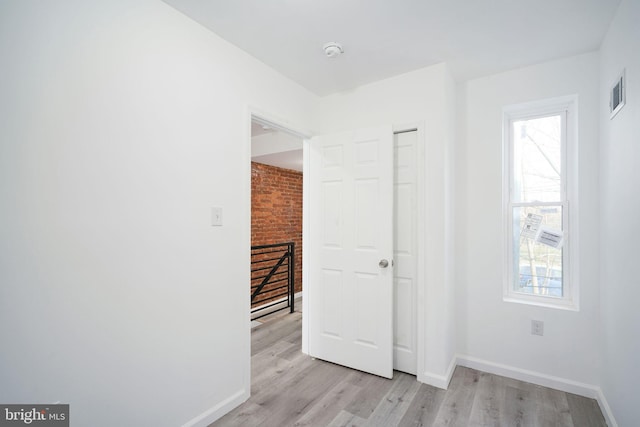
276,220
272,146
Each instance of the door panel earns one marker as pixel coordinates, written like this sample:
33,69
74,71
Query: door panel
405,251
351,230
331,304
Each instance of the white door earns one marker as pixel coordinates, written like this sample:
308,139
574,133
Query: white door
405,250
351,246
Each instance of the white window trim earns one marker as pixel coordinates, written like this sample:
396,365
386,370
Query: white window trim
568,107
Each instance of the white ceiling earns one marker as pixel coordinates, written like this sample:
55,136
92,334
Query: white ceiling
383,38
276,148
258,129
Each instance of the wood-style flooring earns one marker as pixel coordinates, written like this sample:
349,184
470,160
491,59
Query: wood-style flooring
292,389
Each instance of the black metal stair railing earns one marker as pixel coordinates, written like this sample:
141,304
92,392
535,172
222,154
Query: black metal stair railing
272,278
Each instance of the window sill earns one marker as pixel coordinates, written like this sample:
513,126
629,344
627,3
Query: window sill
546,302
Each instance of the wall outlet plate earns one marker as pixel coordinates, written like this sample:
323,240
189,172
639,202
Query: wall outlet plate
537,327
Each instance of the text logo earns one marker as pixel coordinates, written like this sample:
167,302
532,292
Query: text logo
34,415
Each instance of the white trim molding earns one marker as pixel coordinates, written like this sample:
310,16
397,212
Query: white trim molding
274,121
306,248
277,305
557,383
219,410
566,108
606,409
440,381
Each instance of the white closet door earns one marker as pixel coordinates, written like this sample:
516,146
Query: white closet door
405,251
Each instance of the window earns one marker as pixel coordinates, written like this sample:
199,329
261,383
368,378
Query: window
539,194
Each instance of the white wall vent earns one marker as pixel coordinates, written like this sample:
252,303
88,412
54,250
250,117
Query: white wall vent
617,97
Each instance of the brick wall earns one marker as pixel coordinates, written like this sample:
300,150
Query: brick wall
276,210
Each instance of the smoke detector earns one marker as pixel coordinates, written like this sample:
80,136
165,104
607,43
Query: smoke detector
333,49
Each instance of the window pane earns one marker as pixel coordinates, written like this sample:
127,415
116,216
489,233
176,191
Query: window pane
537,265
537,159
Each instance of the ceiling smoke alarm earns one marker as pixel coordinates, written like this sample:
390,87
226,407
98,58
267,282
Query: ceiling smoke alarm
333,49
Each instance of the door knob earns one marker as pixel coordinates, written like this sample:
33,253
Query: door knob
383,263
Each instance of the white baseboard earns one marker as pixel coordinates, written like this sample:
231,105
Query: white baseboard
222,408
440,381
550,381
557,383
606,409
278,304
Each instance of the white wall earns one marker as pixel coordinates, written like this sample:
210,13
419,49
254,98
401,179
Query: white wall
620,218
491,330
121,124
426,95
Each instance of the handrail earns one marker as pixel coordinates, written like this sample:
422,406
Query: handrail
267,285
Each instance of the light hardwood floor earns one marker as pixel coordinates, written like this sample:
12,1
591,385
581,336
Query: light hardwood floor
292,389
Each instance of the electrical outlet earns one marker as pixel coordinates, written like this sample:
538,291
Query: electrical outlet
537,327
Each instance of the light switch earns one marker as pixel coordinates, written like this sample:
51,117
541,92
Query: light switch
216,216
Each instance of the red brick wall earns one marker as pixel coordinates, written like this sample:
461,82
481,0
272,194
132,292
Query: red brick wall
276,210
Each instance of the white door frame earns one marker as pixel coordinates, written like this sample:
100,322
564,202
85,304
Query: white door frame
263,117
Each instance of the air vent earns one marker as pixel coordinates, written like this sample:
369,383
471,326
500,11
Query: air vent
617,97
